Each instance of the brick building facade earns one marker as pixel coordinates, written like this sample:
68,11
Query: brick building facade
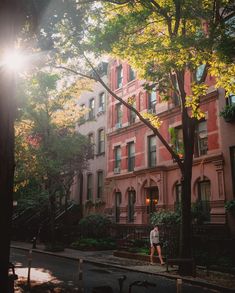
141,175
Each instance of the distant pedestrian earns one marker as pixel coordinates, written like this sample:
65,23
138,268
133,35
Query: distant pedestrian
155,245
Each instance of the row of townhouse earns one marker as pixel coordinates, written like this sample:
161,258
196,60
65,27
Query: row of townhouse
132,172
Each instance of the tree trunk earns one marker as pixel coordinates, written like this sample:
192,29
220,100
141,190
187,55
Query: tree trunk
52,220
6,173
186,223
8,21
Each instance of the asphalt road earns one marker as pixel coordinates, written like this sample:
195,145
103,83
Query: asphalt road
56,269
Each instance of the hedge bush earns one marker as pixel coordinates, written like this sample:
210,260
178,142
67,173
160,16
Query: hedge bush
95,226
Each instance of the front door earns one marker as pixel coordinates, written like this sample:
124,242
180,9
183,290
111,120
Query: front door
152,196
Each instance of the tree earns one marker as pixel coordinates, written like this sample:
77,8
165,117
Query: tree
165,41
50,149
15,17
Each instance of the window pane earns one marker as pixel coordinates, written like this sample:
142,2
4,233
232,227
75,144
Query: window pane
131,74
101,141
131,205
119,113
89,186
152,151
202,138
119,76
118,200
92,142
100,185
152,101
204,197
231,99
91,107
101,101
117,151
131,156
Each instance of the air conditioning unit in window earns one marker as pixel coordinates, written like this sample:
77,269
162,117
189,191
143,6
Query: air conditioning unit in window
118,125
116,170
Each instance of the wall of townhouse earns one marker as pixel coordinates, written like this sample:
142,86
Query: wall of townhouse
213,166
98,162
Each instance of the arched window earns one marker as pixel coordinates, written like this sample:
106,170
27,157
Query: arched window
131,205
152,197
118,200
204,194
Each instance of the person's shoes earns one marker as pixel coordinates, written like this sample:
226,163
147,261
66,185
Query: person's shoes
162,264
152,264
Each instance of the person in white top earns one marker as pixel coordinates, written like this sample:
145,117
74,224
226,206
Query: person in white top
155,245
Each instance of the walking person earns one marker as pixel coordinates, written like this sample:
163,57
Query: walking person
155,245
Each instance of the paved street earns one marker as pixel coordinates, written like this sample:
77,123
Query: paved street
56,269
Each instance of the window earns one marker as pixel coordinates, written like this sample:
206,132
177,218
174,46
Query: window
231,99
119,76
131,156
232,160
100,184
200,71
118,115
152,199
92,142
101,102
131,205
177,140
89,187
92,108
131,74
178,195
201,140
117,158
151,151
101,148
204,190
175,95
118,200
152,101
132,114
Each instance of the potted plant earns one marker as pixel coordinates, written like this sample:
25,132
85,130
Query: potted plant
228,113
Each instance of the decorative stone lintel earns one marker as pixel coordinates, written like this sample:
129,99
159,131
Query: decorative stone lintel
218,164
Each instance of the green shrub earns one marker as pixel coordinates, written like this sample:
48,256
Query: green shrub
228,112
199,215
95,226
230,206
165,217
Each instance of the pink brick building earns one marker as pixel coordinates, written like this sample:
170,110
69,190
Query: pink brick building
141,175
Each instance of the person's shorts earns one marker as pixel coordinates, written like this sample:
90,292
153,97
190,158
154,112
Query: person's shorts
156,244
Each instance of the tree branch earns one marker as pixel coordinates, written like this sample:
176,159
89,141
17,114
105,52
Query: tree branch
75,72
146,122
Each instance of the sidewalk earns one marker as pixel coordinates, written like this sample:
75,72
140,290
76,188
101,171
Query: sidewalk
106,258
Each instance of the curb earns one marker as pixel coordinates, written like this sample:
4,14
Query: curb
187,280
